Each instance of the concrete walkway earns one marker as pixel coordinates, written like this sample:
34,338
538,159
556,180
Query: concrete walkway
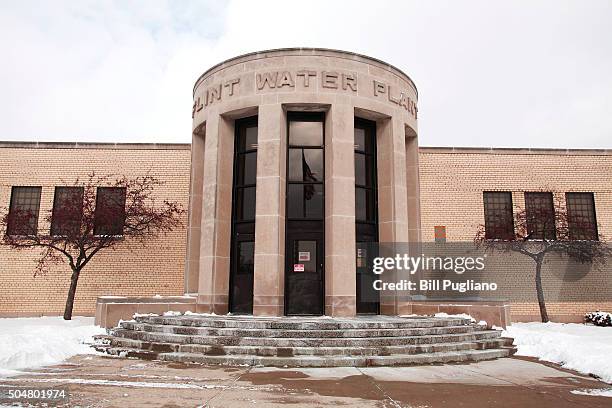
100,381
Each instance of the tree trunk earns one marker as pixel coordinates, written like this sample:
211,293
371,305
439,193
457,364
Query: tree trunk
538,279
74,279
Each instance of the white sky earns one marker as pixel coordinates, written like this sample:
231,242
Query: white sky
520,73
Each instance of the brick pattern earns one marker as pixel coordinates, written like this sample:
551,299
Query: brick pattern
451,189
129,269
452,185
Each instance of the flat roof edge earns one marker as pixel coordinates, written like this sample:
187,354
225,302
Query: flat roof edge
94,145
514,150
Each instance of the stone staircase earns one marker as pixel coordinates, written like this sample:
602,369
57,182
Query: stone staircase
305,342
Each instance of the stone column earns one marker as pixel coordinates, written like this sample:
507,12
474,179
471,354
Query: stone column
392,192
413,189
340,256
192,261
269,276
213,285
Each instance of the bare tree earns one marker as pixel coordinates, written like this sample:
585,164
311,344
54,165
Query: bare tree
92,215
547,229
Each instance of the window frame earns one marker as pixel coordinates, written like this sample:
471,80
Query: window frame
16,231
488,229
532,202
53,228
569,211
96,229
305,117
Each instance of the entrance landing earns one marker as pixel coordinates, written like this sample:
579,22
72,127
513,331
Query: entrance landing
305,341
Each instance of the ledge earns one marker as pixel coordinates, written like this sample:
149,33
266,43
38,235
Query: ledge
93,145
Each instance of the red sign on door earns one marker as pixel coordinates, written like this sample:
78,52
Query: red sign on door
298,267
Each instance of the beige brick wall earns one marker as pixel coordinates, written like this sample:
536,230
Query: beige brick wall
129,269
452,183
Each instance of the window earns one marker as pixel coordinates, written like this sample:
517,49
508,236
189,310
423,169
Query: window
581,217
67,211
499,222
23,211
365,172
110,211
540,212
305,168
245,167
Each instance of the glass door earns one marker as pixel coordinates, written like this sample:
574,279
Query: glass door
305,226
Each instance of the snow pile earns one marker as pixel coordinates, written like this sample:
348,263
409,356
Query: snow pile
599,318
597,392
36,342
578,347
172,313
460,315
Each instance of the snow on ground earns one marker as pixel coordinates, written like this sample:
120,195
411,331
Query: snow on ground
597,392
40,341
580,347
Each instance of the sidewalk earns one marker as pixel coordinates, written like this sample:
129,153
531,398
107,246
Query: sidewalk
99,381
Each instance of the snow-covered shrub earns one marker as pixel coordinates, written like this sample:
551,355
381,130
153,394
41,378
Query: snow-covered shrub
599,318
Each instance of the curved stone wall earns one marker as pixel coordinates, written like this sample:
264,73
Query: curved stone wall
269,84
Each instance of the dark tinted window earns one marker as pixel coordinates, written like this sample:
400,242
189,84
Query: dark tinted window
110,211
245,204
306,133
540,212
245,168
365,172
305,167
23,211
581,218
305,201
499,223
67,211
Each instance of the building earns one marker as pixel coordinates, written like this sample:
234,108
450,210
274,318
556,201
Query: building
325,157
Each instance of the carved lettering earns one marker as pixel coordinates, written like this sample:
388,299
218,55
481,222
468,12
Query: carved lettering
212,94
402,99
349,81
285,80
230,85
267,78
329,80
391,97
197,106
379,88
306,75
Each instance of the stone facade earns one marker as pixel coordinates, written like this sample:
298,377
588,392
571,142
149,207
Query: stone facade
269,85
129,270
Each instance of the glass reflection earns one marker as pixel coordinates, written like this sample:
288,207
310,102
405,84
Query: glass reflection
305,133
305,165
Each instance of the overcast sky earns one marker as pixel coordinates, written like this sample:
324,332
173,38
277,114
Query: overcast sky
519,73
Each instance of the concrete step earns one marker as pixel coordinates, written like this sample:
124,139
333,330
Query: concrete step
158,337
303,351
293,333
306,342
378,322
338,361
